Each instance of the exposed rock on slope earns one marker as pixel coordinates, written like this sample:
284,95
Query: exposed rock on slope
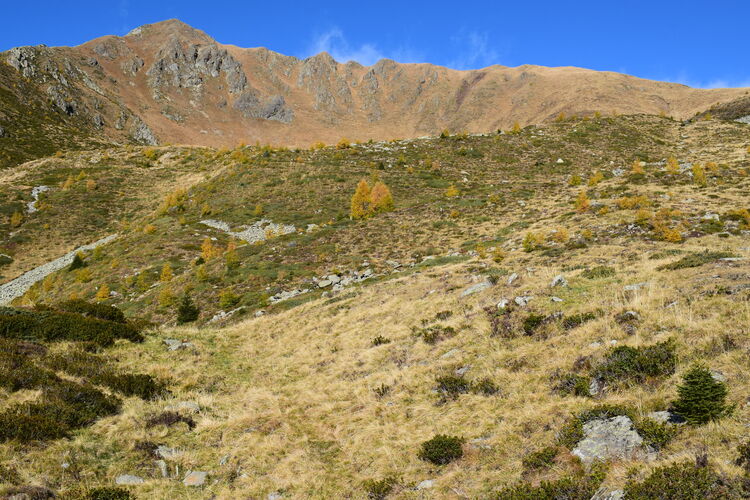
170,82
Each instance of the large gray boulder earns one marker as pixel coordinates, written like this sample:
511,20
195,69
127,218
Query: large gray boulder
605,439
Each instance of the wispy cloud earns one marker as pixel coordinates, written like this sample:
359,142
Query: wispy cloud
336,43
715,83
474,51
123,11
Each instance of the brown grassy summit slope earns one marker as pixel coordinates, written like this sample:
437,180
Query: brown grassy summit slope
171,83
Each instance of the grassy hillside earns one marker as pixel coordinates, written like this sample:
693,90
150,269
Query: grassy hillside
332,393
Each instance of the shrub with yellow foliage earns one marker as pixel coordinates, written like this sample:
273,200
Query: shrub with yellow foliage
166,273
102,293
673,166
343,144
596,178
381,199
360,206
582,202
452,191
16,219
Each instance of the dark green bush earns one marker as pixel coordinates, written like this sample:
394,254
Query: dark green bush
532,322
99,311
576,320
132,384
540,459
27,492
169,418
572,384
379,489
9,475
678,481
442,449
701,398
54,326
744,459
443,315
485,386
109,493
434,334
578,487
380,340
655,434
631,364
695,260
451,386
187,311
598,272
77,263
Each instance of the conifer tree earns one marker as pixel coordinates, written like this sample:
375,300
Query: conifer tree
361,201
381,198
187,312
702,398
166,273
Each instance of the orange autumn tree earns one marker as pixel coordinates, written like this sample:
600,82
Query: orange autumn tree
368,201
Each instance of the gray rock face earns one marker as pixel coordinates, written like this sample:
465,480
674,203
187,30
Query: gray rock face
272,108
22,59
604,494
479,287
185,67
128,479
606,439
142,133
195,478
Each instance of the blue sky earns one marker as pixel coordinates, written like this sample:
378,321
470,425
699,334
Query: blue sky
698,43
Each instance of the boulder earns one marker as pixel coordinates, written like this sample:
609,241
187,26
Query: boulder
606,439
195,478
559,280
128,479
187,406
479,287
426,484
513,277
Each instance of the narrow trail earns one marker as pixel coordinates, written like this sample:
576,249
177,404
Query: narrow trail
17,287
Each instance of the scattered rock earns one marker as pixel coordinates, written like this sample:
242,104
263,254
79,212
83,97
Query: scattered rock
162,465
606,439
2,132
560,161
636,286
718,376
523,300
559,280
460,372
450,353
666,417
128,479
188,406
176,345
595,387
604,494
479,287
711,216
556,299
503,303
195,478
168,453
628,317
513,277
275,496
224,460
425,485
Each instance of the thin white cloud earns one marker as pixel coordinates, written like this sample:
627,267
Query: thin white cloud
123,11
335,43
474,51
715,83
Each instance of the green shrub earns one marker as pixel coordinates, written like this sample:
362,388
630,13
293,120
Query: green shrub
443,315
485,386
578,487
655,434
380,340
168,419
9,475
540,459
631,364
695,260
532,322
379,489
132,384
99,311
52,326
576,320
598,272
451,386
187,311
434,334
109,493
682,480
442,449
572,384
744,459
701,398
77,263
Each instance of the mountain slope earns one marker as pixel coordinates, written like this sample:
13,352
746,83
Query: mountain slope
170,83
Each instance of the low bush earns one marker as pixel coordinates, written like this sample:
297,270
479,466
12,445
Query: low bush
695,260
532,322
434,334
681,480
168,419
626,364
187,311
577,487
573,384
598,272
379,489
655,434
99,311
451,386
53,326
485,386
109,493
744,456
380,340
442,449
540,459
576,320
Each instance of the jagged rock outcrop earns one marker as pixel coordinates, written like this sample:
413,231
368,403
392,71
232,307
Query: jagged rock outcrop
273,108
